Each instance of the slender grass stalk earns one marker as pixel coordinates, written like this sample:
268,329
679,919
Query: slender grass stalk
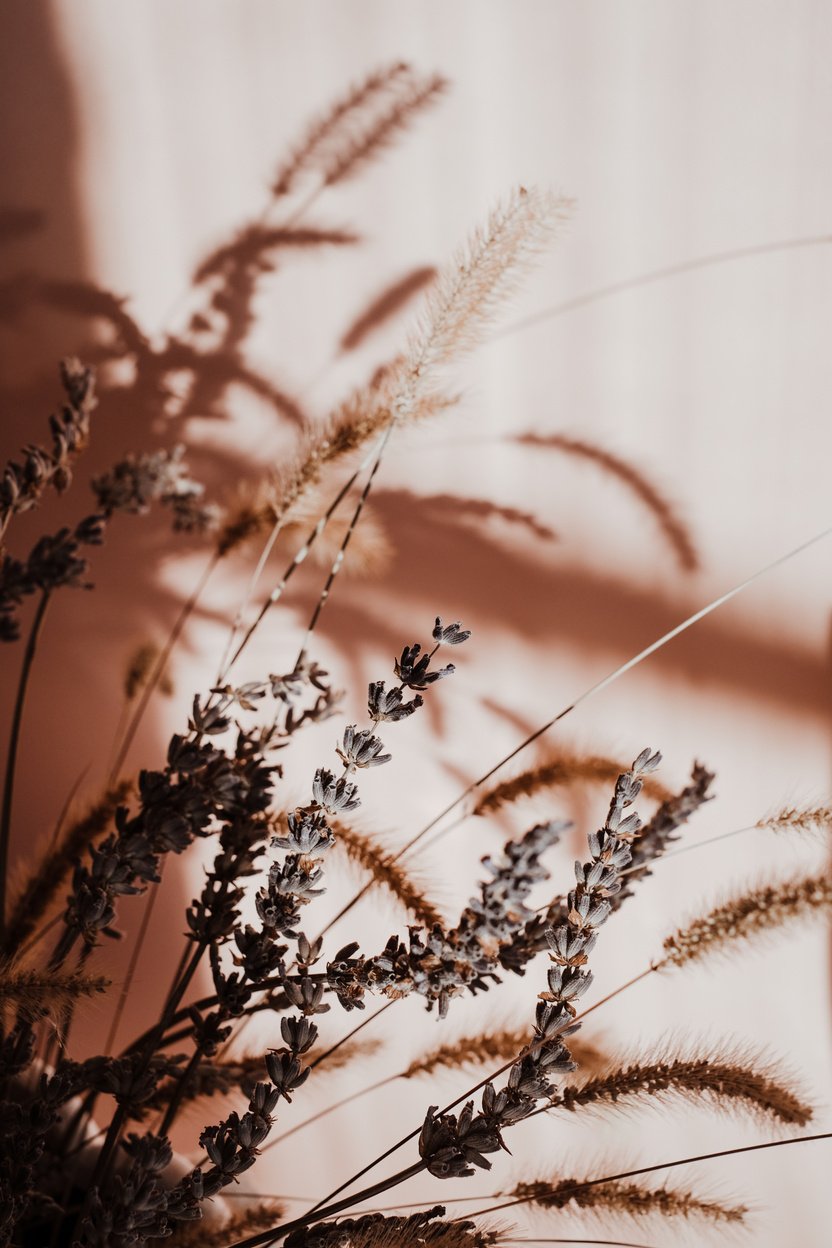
11,754
660,275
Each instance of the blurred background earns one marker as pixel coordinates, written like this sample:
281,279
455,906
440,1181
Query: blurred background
677,328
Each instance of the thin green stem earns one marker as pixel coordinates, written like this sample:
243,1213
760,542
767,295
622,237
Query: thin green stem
11,755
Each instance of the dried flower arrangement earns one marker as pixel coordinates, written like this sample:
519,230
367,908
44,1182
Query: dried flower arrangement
79,1164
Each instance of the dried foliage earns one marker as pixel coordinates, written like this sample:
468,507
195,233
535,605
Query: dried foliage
221,781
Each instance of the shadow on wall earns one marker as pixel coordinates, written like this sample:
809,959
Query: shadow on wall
150,391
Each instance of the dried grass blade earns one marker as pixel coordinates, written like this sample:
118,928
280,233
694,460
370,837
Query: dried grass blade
386,873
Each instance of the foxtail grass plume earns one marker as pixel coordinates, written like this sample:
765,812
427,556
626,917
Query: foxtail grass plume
469,292
562,770
386,873
723,1079
632,1200
34,992
758,913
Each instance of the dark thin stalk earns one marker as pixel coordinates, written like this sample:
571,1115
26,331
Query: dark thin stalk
360,1027
152,1040
277,593
176,1099
339,558
11,755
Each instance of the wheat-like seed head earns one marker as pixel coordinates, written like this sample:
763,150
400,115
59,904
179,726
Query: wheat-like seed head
799,819
757,913
496,1046
386,873
726,1079
33,991
471,289
634,1200
562,770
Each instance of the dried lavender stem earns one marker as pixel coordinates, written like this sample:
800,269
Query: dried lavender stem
11,756
621,670
319,1213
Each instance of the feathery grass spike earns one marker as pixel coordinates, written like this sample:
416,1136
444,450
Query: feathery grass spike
757,913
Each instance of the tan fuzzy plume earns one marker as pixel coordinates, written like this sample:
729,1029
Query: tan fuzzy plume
799,819
635,1200
33,991
670,524
40,890
386,305
496,1046
469,292
723,1081
361,417
757,913
563,770
386,873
